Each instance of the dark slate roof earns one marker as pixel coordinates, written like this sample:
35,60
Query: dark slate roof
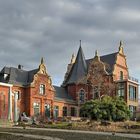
61,94
31,75
109,60
79,69
17,76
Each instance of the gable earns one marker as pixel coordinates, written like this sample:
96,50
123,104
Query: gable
120,66
109,61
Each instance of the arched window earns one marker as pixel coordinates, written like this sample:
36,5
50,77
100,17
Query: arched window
121,75
82,96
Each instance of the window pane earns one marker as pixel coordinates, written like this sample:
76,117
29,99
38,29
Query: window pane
73,111
82,96
4,102
47,110
42,89
132,92
121,90
64,111
56,112
36,108
121,75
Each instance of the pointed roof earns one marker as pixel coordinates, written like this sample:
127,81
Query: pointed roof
42,60
79,68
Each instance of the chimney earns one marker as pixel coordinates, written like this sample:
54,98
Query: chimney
20,67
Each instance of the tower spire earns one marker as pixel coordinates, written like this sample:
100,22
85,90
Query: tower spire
80,43
79,68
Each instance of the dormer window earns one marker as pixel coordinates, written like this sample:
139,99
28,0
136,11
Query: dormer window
5,76
42,89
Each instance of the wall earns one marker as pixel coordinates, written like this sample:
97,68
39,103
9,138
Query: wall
4,90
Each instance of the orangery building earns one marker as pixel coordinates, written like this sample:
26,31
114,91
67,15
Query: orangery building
32,91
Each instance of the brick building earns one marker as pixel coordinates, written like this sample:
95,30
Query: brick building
32,91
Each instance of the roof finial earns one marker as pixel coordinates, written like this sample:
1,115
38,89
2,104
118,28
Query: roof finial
121,47
97,57
96,53
121,43
42,60
73,59
80,43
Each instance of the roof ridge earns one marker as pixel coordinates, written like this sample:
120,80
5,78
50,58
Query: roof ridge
102,55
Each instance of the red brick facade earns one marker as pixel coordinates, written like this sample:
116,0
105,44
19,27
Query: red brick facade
40,96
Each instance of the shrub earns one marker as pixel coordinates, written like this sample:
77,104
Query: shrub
108,108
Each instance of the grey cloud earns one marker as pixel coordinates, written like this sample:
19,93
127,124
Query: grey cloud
30,29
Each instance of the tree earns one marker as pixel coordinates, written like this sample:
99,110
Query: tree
108,108
99,79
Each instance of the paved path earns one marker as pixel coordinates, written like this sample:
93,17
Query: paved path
31,136
83,132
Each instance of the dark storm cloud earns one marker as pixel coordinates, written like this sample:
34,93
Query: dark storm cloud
30,29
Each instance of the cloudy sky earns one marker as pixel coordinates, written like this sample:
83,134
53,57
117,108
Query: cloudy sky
31,29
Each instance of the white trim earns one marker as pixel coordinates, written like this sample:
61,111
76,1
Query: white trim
5,84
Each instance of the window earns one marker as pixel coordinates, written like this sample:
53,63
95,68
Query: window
4,103
132,110
121,90
18,95
73,111
95,92
121,75
47,110
64,111
56,112
36,107
82,96
42,89
132,93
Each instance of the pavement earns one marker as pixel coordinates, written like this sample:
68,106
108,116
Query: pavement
32,136
81,132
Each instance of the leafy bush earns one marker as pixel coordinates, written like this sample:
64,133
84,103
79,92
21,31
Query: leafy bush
108,108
